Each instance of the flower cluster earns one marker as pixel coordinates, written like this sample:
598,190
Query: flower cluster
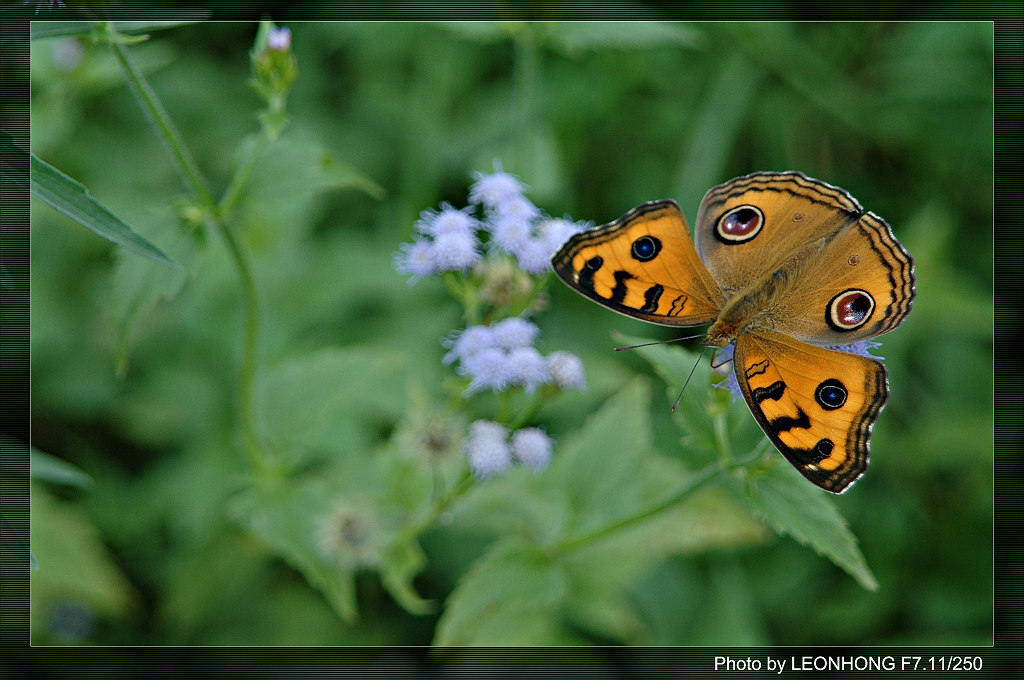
502,355
493,255
446,239
491,449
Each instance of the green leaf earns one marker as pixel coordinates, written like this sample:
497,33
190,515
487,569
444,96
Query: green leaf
70,198
794,506
674,366
47,468
401,563
597,467
287,518
73,563
297,167
576,37
138,287
511,596
322,401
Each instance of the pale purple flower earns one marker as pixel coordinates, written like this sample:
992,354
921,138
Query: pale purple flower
528,368
279,39
723,365
553,233
514,332
566,370
487,448
468,342
67,53
488,368
416,258
455,251
447,220
517,208
491,190
534,257
862,348
532,447
510,234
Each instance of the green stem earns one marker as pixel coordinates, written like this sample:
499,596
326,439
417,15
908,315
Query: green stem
168,134
257,455
441,506
536,400
718,424
230,199
696,481
218,220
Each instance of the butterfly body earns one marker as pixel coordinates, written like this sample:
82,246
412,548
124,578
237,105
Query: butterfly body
784,267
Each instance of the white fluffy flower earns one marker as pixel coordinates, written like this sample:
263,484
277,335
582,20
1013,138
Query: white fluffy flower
532,447
487,448
566,370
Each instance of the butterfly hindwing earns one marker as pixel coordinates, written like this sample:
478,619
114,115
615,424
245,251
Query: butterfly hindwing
816,405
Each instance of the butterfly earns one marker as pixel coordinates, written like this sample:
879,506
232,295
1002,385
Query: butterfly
785,268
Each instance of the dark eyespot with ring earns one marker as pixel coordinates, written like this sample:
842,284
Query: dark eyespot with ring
646,248
831,394
739,225
849,310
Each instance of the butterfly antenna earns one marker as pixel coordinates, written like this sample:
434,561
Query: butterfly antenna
680,397
658,342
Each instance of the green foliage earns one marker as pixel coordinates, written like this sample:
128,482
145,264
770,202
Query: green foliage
274,446
70,198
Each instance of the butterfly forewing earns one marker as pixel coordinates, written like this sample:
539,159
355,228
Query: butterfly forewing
750,226
860,286
643,265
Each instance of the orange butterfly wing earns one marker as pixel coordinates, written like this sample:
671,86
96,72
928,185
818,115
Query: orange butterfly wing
816,405
643,265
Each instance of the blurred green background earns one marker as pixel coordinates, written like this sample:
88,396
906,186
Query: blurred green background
595,118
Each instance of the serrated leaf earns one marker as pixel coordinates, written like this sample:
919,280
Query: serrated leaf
511,596
695,411
595,465
47,468
794,506
710,417
602,571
